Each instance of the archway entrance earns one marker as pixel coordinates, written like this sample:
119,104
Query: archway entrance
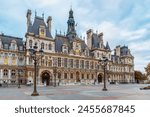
100,77
46,78
77,77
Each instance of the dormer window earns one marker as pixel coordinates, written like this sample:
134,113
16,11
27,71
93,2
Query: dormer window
13,46
30,43
42,45
6,46
65,49
42,31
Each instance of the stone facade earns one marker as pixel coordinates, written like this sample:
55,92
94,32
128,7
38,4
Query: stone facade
74,60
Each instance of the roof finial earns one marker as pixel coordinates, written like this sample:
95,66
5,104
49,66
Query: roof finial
71,6
35,13
43,15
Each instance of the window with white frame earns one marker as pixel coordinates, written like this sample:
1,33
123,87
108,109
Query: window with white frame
5,73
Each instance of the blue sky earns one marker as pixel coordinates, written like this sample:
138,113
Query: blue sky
123,22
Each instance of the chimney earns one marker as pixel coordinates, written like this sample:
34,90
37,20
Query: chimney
28,18
49,20
89,38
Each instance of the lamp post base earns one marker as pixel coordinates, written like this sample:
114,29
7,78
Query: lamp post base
35,94
19,87
104,89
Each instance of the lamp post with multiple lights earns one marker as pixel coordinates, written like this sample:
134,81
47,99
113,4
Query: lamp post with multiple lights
104,62
55,72
36,55
19,75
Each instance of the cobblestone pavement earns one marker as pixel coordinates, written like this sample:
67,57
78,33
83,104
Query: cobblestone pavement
77,92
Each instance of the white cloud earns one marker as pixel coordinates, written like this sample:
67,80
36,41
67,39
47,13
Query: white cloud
139,46
134,35
41,3
108,16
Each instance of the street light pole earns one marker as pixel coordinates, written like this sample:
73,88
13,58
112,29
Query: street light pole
105,89
55,71
33,53
104,62
35,93
19,79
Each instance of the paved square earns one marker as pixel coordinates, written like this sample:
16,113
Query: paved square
77,92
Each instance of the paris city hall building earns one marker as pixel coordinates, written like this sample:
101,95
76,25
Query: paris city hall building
66,55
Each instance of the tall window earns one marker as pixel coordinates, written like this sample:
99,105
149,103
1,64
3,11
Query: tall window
50,47
87,76
59,62
77,63
65,75
5,73
91,65
42,45
65,62
71,63
30,43
71,75
59,75
82,76
13,73
92,76
82,64
87,64
6,46
30,60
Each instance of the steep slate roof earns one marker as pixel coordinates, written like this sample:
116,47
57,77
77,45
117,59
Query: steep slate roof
107,46
125,51
95,41
60,40
8,39
38,21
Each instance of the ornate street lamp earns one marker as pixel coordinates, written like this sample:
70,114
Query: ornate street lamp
55,72
36,56
104,62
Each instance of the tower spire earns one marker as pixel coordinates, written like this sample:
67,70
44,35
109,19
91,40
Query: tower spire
71,32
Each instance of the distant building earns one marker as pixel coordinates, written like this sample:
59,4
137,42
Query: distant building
12,59
75,60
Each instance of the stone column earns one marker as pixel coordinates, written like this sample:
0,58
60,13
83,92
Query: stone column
9,74
1,73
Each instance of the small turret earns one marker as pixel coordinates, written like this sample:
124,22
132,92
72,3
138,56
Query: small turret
28,18
107,46
49,20
89,38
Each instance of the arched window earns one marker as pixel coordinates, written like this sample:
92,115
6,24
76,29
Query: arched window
42,45
5,73
30,43
13,73
50,47
65,75
59,75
